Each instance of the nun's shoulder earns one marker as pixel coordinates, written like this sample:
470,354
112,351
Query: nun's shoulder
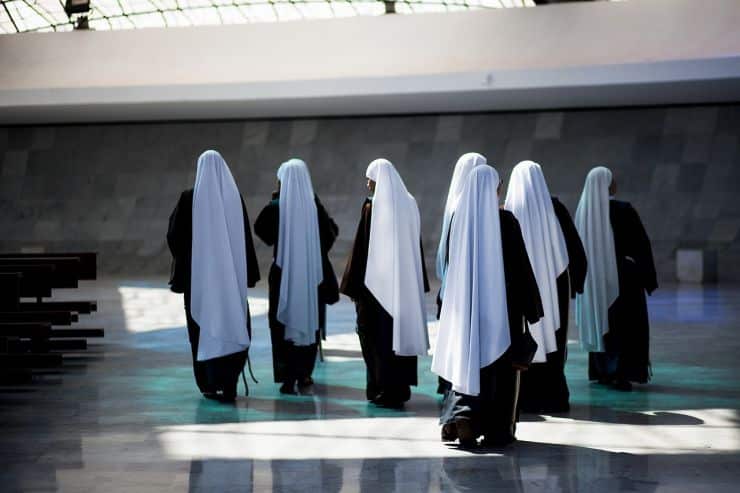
620,205
187,195
559,206
508,218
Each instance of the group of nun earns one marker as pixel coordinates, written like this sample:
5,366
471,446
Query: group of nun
507,274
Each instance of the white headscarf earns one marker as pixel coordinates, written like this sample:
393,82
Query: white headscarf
602,282
298,254
218,296
462,169
394,272
474,323
528,198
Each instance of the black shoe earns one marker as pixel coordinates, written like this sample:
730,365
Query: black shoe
288,388
623,385
498,441
384,400
220,396
465,434
305,382
449,432
559,408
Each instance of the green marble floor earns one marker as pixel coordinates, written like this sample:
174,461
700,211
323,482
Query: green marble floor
126,415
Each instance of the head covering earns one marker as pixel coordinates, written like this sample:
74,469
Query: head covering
602,283
298,254
528,198
474,323
394,272
218,296
462,169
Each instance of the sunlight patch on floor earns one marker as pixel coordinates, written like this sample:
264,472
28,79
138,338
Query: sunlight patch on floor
147,309
419,437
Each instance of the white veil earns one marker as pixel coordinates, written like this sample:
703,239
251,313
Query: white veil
298,254
528,198
218,296
394,271
601,287
474,323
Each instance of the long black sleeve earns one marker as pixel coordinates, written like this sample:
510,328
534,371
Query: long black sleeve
641,250
577,262
253,268
353,280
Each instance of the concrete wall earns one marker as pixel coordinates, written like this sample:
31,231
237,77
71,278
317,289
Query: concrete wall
111,187
581,54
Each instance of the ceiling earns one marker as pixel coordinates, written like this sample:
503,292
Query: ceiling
48,15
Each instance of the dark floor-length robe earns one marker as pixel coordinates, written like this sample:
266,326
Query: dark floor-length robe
543,386
627,344
387,373
216,374
494,412
290,362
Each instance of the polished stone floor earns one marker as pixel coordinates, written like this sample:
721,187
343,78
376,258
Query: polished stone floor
125,415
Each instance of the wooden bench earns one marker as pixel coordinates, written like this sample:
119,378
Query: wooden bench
28,338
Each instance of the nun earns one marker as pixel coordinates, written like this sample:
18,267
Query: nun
490,291
462,170
611,313
301,280
463,167
213,264
559,263
386,278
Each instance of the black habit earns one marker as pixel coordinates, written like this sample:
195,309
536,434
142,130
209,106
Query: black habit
388,375
293,363
216,374
543,386
494,412
627,356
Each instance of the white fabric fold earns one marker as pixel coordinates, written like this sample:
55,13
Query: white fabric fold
601,287
474,323
529,199
464,165
394,271
218,294
298,254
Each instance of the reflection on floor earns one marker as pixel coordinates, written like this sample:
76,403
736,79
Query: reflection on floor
125,415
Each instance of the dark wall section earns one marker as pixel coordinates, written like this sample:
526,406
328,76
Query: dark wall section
111,187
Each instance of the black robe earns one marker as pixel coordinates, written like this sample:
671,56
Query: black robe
627,344
290,362
222,373
386,373
494,412
543,385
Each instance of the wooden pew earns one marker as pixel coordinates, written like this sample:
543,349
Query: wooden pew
88,267
27,337
10,290
57,272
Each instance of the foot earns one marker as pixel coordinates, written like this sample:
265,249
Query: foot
384,400
449,432
288,388
623,385
305,382
556,408
529,409
220,396
498,441
465,434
